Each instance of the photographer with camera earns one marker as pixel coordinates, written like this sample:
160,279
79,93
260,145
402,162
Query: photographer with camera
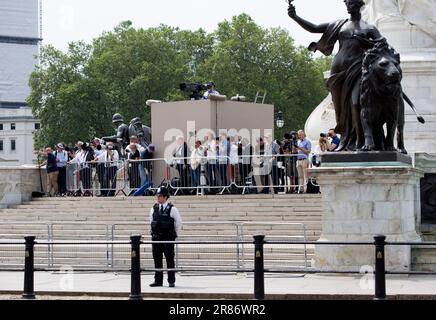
84,156
52,171
61,160
211,155
322,147
133,157
303,147
182,155
210,90
109,159
290,140
197,159
334,140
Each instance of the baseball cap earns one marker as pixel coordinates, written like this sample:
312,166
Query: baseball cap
60,146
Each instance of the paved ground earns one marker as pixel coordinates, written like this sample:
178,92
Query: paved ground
110,285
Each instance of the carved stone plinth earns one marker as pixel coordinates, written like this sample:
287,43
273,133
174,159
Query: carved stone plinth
360,202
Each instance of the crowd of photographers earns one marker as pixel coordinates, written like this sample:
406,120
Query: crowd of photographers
232,163
72,171
215,164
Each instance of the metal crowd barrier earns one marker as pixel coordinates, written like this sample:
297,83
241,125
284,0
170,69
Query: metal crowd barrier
96,178
250,174
56,256
189,176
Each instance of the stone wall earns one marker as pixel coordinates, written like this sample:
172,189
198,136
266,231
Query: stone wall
18,183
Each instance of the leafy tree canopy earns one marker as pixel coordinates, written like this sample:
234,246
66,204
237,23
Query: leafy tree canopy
75,94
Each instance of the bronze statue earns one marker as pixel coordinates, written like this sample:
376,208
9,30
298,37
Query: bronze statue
143,132
355,38
121,139
381,99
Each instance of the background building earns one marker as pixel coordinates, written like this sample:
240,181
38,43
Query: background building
19,45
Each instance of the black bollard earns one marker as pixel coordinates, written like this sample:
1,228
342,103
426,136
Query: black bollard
380,270
259,271
135,284
29,268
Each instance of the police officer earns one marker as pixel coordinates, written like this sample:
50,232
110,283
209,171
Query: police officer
166,222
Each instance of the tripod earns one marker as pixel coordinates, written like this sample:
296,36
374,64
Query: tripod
41,193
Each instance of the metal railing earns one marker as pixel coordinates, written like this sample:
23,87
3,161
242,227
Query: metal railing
258,268
55,232
96,178
201,175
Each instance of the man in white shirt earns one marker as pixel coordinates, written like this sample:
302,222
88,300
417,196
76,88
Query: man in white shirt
166,223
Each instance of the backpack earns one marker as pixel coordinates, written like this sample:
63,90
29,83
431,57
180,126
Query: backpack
313,187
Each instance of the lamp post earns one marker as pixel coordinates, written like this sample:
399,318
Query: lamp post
280,122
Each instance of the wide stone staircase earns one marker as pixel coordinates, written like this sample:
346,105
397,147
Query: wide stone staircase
65,226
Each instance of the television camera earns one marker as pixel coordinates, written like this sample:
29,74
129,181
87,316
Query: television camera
194,90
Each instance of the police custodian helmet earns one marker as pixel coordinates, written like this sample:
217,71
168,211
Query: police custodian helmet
163,191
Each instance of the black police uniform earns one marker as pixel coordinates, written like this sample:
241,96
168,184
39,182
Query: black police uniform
163,229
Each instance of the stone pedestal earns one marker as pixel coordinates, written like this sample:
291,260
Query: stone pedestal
361,202
18,183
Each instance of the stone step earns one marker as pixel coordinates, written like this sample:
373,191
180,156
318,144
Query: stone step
205,220
89,219
145,229
145,214
309,210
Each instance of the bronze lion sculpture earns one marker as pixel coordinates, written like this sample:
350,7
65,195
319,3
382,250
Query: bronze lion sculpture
382,101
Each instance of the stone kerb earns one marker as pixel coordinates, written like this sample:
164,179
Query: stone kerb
18,183
361,202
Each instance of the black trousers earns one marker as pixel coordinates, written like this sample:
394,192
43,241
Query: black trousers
62,180
158,251
134,177
85,177
183,174
110,181
100,174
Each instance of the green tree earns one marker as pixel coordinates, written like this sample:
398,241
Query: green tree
58,97
75,94
248,59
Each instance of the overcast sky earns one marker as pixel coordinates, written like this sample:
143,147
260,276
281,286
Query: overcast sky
71,20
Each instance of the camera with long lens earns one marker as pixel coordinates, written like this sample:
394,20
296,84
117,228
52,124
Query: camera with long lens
294,139
194,90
